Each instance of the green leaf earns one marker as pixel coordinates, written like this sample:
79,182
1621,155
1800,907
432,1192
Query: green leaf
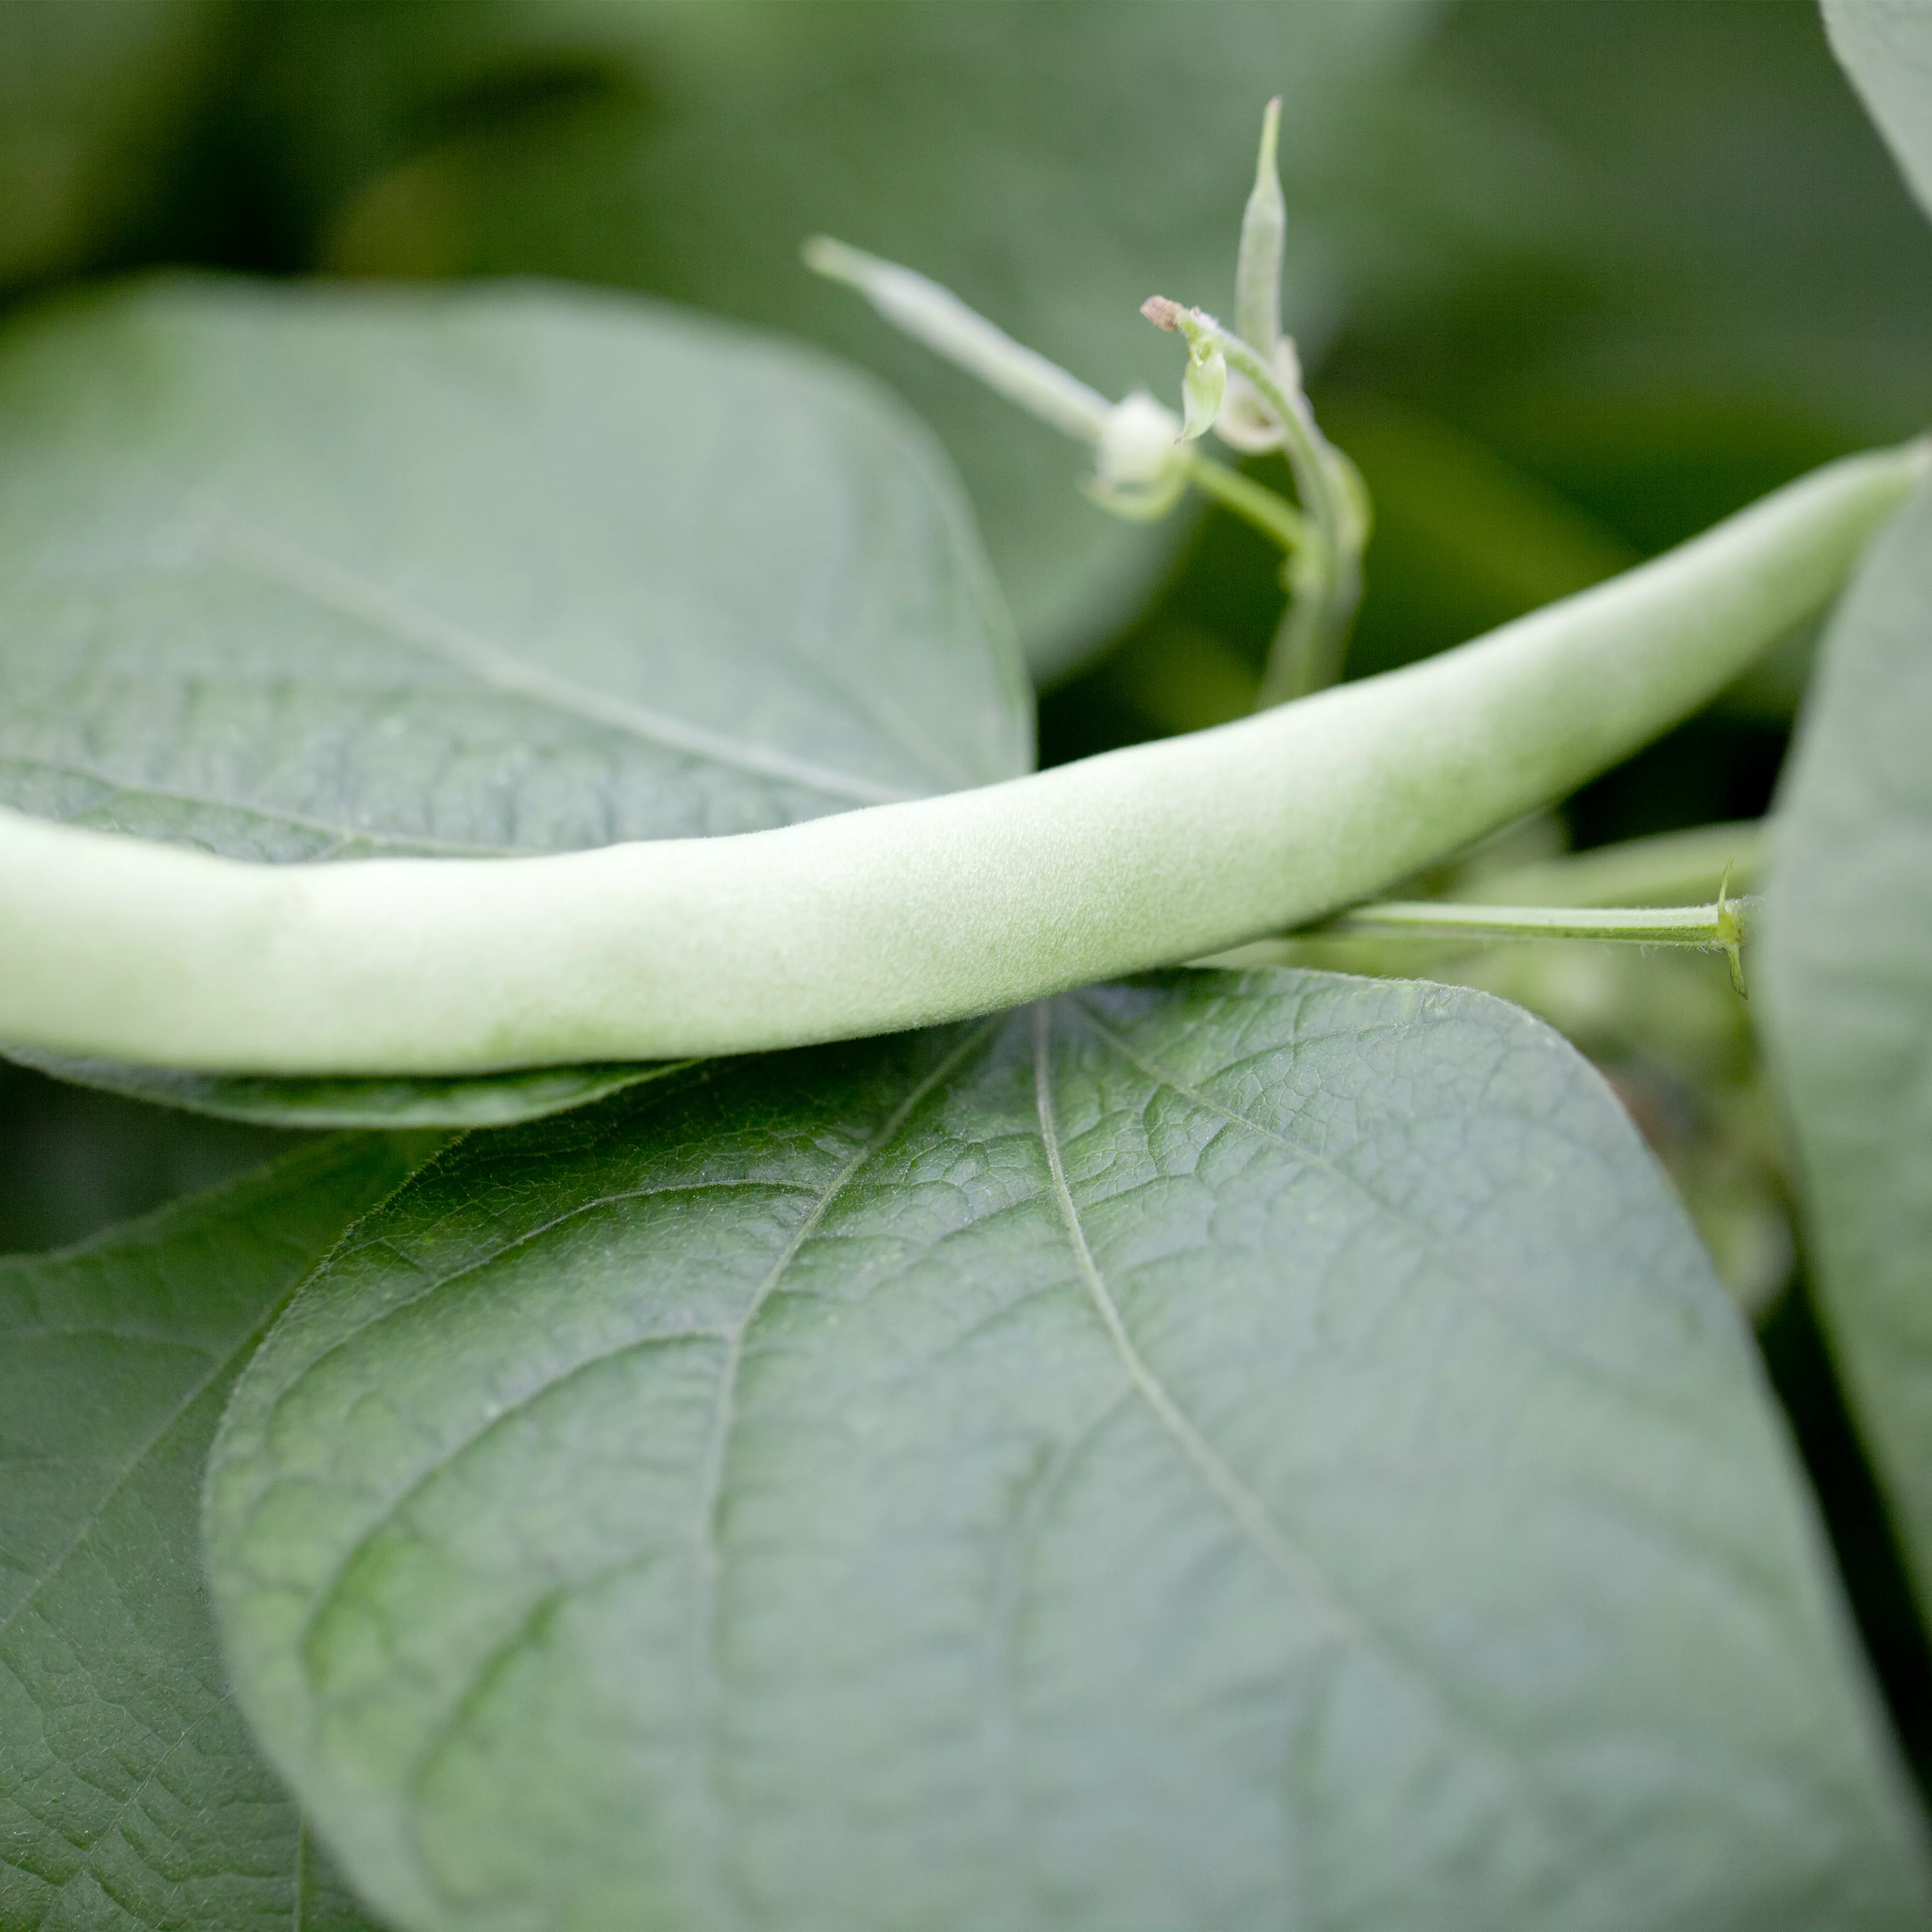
129,1793
319,574
1886,47
485,1100
1054,165
332,574
1847,996
1223,1452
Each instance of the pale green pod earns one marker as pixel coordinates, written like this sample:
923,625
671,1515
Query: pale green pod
1263,233
1247,424
898,915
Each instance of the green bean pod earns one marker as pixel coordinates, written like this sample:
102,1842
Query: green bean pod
900,915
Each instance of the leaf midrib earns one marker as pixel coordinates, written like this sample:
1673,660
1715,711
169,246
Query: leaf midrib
292,567
702,1741
1251,1515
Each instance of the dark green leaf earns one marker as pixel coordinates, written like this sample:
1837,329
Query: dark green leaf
1222,1452
1847,975
1057,165
129,1793
1886,47
1729,283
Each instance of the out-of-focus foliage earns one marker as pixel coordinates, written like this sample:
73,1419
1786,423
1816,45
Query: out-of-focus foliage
1057,164
1703,275
1589,275
73,1161
1735,284
95,101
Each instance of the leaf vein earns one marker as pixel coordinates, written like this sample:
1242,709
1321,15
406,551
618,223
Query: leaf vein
325,582
1344,1625
342,834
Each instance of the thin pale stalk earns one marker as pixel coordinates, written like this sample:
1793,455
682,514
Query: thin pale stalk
933,315
1713,927
1327,584
1264,235
1273,516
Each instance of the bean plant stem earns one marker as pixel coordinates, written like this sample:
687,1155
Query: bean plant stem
1719,927
1327,579
1713,927
900,915
1324,576
1273,516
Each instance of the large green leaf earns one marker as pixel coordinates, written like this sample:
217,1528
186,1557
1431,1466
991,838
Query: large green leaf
297,575
1057,164
1886,47
129,1793
330,575
1227,1452
1847,977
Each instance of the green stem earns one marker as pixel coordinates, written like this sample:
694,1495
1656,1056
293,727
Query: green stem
1325,581
1714,927
1273,516
902,915
933,314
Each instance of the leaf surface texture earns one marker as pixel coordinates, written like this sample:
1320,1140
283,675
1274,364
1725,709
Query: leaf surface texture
130,1794
1217,1452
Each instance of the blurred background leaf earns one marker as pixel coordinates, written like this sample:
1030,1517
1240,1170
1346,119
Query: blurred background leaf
1701,275
1056,164
96,105
1886,47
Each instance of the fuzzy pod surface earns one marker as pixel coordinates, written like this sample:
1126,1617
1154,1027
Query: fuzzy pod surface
902,915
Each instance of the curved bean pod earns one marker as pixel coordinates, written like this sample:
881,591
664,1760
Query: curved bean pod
900,915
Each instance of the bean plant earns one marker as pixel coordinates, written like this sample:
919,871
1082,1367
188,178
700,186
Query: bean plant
864,1343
